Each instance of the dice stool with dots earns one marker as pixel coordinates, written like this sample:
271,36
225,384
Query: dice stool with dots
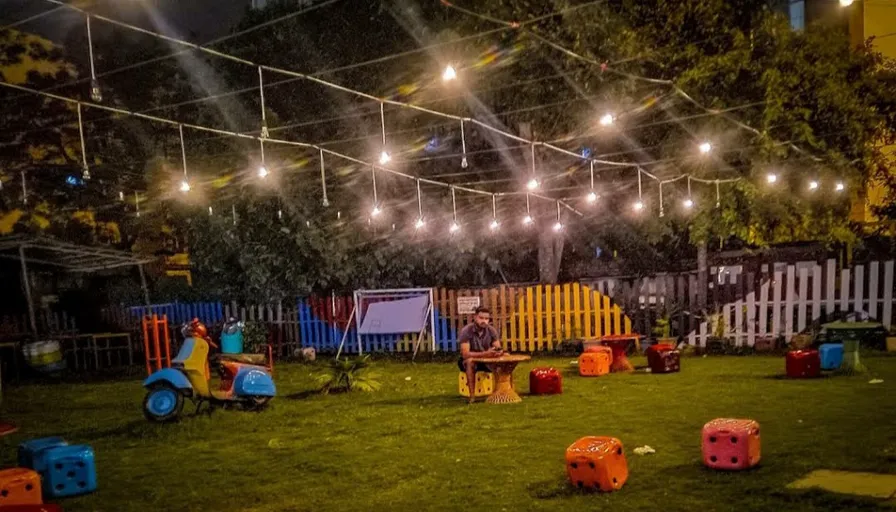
19,486
831,355
70,471
485,384
597,463
663,358
803,364
545,381
731,444
595,361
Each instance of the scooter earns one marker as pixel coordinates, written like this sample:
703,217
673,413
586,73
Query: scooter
245,379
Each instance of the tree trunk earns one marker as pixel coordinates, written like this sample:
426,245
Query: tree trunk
550,243
702,275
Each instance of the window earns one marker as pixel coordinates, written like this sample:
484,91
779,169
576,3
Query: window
797,14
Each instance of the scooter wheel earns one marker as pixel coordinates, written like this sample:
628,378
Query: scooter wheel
257,403
163,403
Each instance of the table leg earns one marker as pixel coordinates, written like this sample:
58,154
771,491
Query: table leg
504,393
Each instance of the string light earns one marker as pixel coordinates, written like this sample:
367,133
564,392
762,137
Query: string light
705,147
210,211
718,195
185,184
85,170
662,211
121,195
463,146
688,202
839,187
376,205
323,180
771,178
607,119
263,170
449,74
233,213
559,225
137,204
494,225
533,182
385,157
420,222
813,185
639,204
96,95
527,220
455,227
592,196
24,189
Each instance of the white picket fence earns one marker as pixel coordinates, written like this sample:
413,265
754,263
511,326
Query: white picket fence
781,300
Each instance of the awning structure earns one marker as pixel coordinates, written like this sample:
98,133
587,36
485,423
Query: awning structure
66,257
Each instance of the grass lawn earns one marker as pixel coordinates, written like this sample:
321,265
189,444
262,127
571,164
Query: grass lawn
416,445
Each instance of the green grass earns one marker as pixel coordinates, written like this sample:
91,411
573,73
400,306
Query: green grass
416,445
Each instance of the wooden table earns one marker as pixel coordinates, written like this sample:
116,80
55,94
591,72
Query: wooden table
619,345
503,368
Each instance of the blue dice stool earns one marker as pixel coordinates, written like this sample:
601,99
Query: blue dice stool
831,355
32,452
70,471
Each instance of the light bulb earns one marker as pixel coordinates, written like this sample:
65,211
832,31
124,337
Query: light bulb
376,211
771,178
263,172
419,224
533,184
688,203
592,197
705,147
385,158
185,186
121,196
280,214
558,226
494,225
454,228
638,206
607,119
846,3
463,163
449,74
813,185
839,187
527,220
85,173
96,94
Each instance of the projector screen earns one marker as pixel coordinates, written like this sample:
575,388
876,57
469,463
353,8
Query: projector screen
396,316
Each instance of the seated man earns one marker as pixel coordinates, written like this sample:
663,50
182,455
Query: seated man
478,339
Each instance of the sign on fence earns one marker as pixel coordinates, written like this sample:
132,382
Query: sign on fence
467,305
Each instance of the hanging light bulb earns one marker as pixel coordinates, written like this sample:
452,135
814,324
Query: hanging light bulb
592,197
210,211
185,186
527,220
419,224
846,3
558,226
771,178
376,211
385,157
607,119
279,214
813,185
96,94
449,74
638,206
839,187
494,225
121,195
263,172
464,163
705,147
688,203
533,184
454,228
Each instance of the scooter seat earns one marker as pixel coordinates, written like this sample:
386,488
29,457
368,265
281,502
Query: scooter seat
256,359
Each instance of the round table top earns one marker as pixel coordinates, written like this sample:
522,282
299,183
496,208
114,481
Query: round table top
506,358
621,337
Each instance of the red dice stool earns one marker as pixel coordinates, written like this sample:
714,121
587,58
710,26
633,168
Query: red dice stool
731,444
663,358
545,381
803,364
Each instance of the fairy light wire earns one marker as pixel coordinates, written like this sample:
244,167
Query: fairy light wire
264,120
323,180
376,202
183,150
90,48
463,146
419,203
85,170
454,205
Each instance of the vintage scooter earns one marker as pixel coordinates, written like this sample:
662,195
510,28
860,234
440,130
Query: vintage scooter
245,379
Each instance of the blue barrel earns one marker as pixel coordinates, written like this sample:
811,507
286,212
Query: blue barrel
232,343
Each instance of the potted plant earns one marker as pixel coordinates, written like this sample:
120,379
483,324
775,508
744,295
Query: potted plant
344,375
717,343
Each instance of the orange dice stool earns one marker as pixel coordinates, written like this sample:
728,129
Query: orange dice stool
545,381
595,363
731,444
597,463
19,486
